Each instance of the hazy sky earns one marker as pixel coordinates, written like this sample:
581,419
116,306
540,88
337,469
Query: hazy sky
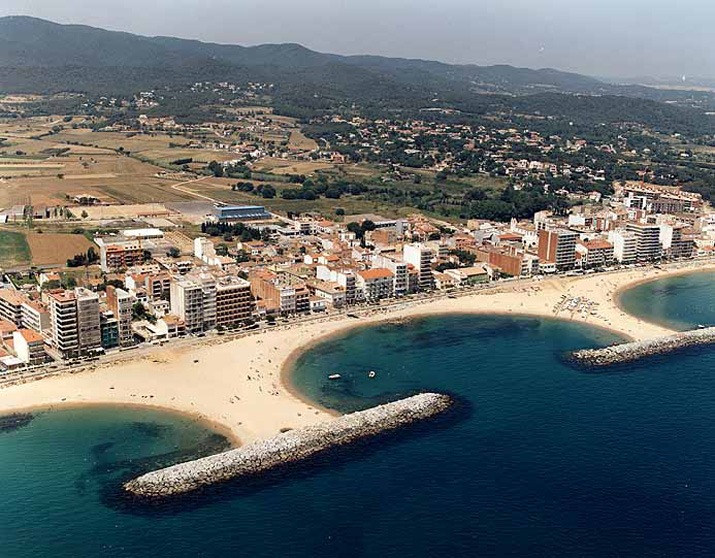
597,37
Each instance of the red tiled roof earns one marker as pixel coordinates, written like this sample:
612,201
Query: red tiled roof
378,273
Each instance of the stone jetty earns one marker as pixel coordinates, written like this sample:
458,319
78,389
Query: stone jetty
287,447
629,352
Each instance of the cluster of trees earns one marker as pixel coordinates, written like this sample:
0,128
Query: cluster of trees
313,189
215,168
230,230
361,228
139,312
266,191
85,258
521,204
243,187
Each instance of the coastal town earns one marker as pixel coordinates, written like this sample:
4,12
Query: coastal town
342,279
216,231
251,269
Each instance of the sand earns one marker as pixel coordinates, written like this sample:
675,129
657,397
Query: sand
242,386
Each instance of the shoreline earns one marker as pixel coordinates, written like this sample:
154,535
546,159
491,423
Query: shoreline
617,296
242,388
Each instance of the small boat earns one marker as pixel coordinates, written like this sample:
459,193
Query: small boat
334,377
371,374
701,326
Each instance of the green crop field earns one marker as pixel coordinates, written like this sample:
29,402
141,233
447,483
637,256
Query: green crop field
14,249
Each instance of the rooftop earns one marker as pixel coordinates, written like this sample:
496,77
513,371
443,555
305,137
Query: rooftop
378,273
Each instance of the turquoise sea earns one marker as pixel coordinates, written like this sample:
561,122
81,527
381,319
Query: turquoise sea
680,302
539,459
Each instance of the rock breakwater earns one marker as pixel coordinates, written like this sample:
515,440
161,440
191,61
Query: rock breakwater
629,352
287,447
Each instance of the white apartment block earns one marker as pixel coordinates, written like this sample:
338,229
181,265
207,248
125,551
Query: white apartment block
35,317
420,256
624,246
648,246
343,277
399,269
187,303
375,284
75,321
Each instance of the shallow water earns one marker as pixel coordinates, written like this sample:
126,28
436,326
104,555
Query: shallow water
681,302
542,460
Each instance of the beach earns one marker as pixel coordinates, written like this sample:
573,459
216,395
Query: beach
242,387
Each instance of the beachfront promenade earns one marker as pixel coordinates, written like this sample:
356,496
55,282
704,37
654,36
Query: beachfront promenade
240,383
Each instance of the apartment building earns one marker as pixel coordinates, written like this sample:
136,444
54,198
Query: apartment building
278,295
595,253
11,305
344,277
375,284
509,260
648,247
119,253
29,347
88,313
675,244
558,247
63,322
187,300
234,303
399,270
35,316
74,321
109,330
156,285
205,300
624,246
121,302
332,293
420,257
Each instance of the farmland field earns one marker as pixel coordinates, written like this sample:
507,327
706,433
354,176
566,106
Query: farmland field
291,166
14,249
51,249
108,176
299,141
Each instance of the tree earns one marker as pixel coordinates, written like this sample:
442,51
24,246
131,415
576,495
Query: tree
368,225
173,252
222,249
138,311
339,211
84,214
215,168
333,192
355,228
268,192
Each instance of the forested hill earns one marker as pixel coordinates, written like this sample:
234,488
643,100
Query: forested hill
38,56
27,43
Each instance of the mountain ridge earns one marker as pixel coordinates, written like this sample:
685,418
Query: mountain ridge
27,42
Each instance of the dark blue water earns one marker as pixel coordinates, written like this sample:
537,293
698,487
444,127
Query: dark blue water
680,302
541,460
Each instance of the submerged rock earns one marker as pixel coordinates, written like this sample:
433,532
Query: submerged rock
287,447
8,423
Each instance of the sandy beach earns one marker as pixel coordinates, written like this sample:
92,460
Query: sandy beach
241,387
